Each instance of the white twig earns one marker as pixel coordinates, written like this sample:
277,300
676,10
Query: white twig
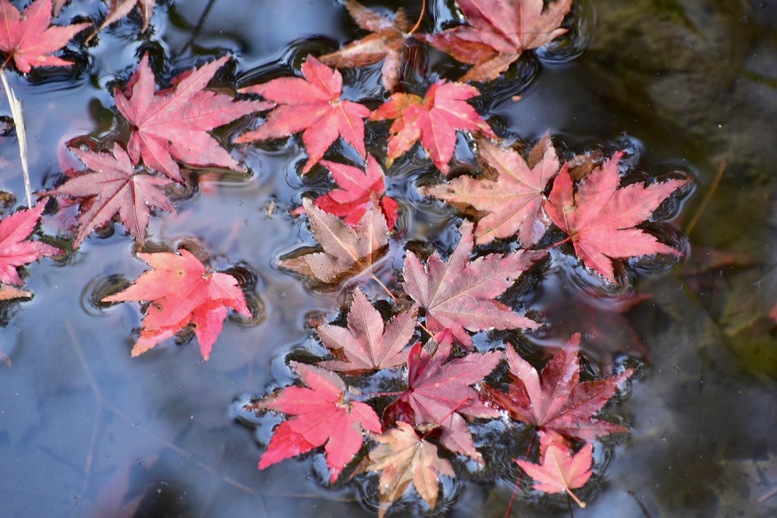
21,133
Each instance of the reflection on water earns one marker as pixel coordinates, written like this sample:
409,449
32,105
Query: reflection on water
85,430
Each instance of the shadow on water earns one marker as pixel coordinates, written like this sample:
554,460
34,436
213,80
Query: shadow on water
85,430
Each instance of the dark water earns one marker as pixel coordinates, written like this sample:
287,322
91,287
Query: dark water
85,430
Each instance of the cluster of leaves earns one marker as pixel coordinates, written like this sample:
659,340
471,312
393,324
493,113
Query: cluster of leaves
525,202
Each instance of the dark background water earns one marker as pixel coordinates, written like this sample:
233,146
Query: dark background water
85,430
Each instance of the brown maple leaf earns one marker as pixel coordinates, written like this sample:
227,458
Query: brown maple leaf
366,344
29,39
459,295
555,401
114,188
118,9
386,42
313,105
346,250
601,219
433,120
512,194
404,458
498,32
173,124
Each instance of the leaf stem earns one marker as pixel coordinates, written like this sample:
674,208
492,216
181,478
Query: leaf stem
575,498
707,198
420,18
21,132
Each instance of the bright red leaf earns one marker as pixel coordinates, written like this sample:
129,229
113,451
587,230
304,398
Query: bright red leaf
386,42
433,120
498,32
118,9
359,190
15,249
439,390
322,416
173,124
114,188
366,343
311,104
556,401
346,250
459,295
182,292
601,219
29,39
560,470
511,194
404,458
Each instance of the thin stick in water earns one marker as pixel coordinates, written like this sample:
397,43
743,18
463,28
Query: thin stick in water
21,133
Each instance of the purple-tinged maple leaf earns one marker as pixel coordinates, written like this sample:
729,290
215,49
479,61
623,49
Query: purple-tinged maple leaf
172,125
459,295
432,120
386,42
114,188
601,219
498,31
555,401
321,416
512,194
29,39
15,249
311,104
439,391
366,343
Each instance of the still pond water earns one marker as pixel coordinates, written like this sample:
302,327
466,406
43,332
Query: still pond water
688,85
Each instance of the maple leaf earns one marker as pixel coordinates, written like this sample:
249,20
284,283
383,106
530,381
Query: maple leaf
322,416
346,249
386,42
358,191
556,401
366,344
404,458
439,390
118,9
513,200
432,120
10,293
182,292
459,295
15,250
29,39
498,32
600,218
173,124
311,104
559,469
114,188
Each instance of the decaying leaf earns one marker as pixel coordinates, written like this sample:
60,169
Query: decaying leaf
346,249
459,295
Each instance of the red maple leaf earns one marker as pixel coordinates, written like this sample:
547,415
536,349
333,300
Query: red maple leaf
439,391
459,295
556,401
173,124
311,104
118,9
559,469
114,188
358,192
386,42
600,218
498,32
322,416
29,39
182,292
511,195
433,120
15,249
366,344
404,458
